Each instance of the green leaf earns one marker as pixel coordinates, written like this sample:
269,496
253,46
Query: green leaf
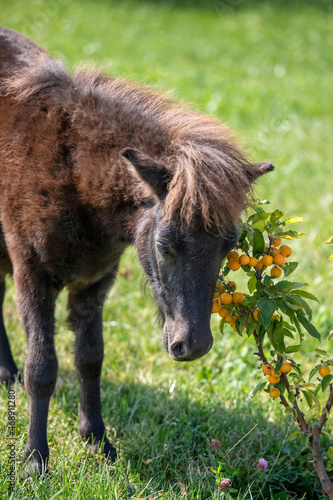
308,326
281,386
278,338
267,280
306,295
276,215
325,382
267,307
287,333
292,234
329,241
302,303
277,367
258,388
308,397
293,348
292,220
313,372
252,283
281,305
289,268
294,435
330,453
222,322
314,396
291,397
258,243
294,320
287,286
257,217
304,440
321,352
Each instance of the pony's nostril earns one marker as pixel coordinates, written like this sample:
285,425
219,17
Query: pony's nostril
178,349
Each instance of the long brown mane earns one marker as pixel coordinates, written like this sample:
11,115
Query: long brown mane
210,174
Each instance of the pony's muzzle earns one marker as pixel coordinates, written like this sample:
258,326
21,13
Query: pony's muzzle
188,350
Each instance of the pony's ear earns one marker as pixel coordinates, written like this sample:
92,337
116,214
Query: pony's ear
152,172
256,170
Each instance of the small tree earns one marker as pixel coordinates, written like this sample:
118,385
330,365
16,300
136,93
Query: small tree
276,311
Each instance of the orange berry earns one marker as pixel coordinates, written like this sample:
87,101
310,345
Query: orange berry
274,252
223,312
260,265
274,378
324,370
221,287
277,242
286,367
276,272
232,286
238,298
226,298
267,260
216,306
279,260
228,318
255,314
285,251
234,265
253,262
275,393
216,295
267,369
244,259
233,255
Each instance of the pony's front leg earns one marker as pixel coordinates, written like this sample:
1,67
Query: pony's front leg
8,368
85,317
36,300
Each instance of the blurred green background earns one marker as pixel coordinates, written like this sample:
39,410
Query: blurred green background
265,68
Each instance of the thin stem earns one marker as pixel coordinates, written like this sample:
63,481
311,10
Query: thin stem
313,433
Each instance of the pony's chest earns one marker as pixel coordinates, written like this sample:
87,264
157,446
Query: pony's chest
74,251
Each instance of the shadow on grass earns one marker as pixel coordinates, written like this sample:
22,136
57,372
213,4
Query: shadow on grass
165,438
233,6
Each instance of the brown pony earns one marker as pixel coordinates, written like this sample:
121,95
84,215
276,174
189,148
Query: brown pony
88,165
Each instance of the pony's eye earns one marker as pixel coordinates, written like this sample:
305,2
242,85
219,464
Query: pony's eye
165,252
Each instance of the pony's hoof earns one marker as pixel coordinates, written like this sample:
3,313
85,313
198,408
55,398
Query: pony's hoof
8,377
110,451
105,447
34,465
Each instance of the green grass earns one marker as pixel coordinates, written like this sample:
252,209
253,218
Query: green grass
265,69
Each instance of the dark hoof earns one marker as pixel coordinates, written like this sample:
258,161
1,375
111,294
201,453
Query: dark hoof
105,447
8,377
34,465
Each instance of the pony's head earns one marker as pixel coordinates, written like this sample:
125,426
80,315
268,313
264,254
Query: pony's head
185,231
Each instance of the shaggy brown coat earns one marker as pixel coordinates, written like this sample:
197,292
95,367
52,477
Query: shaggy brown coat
88,165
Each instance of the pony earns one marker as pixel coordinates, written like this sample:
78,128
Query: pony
90,164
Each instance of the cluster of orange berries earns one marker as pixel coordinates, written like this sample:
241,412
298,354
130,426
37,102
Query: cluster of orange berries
276,255
225,296
274,378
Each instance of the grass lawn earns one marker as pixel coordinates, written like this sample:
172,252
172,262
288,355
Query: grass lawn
265,68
